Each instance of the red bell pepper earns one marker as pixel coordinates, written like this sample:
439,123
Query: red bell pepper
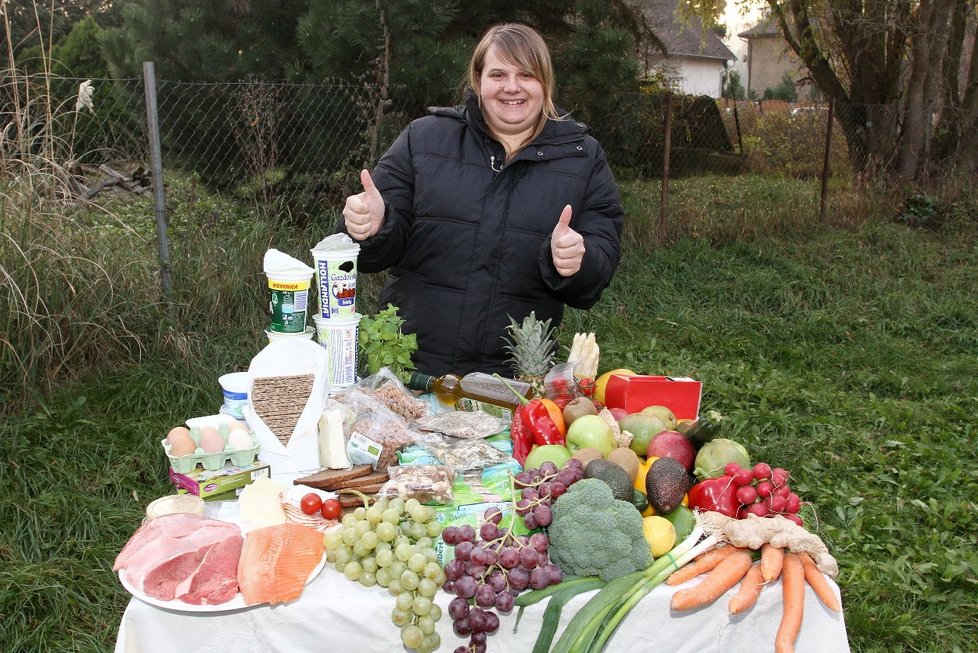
538,420
716,494
520,434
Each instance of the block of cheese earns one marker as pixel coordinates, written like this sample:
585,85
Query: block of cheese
260,503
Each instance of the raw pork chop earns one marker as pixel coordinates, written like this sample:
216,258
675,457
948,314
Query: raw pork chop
183,556
276,562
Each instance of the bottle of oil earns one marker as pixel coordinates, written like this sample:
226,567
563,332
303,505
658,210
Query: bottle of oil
474,390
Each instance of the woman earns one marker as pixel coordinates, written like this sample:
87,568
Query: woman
489,210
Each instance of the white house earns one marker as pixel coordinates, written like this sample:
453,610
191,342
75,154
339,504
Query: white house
696,58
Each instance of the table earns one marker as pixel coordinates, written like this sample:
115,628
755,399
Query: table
337,615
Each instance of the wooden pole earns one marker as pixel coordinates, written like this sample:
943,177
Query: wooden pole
823,207
664,199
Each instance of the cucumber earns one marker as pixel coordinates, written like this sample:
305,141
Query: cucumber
705,428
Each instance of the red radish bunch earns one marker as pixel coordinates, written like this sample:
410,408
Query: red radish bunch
763,491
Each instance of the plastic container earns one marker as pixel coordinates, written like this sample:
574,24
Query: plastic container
210,461
175,503
338,336
336,276
234,386
307,334
288,298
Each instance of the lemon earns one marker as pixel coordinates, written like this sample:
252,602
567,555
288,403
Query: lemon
660,534
601,382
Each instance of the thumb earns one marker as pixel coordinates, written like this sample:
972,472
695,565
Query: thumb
367,180
563,222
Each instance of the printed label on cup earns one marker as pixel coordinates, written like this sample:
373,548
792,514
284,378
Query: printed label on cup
337,277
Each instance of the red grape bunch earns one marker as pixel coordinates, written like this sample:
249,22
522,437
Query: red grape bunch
763,491
492,565
541,487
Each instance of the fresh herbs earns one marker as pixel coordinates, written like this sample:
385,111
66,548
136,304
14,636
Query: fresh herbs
384,344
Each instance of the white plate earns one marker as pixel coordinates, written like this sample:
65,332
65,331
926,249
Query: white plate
236,603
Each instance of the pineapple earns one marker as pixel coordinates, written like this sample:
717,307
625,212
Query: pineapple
531,346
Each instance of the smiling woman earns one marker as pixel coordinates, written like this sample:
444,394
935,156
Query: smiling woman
488,211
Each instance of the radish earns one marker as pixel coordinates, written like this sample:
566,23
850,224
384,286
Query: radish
746,495
765,489
759,509
762,471
779,476
731,469
776,503
743,477
793,503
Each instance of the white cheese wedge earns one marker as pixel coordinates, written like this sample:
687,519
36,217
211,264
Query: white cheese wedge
260,503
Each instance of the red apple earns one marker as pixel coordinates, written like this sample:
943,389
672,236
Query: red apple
673,444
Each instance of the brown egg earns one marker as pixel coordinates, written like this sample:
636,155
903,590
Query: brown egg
210,440
175,433
182,446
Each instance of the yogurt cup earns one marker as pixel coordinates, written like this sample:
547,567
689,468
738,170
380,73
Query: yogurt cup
289,281
234,386
336,276
307,334
338,336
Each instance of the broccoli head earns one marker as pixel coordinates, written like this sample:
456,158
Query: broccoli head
594,534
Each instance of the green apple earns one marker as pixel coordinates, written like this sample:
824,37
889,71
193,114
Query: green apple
663,413
591,431
643,428
555,453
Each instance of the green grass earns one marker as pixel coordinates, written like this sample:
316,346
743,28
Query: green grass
847,355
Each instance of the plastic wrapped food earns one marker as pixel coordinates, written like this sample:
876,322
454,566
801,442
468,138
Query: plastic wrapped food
426,483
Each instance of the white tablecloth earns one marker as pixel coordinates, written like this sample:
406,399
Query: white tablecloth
337,615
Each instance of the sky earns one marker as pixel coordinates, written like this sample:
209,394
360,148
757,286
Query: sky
736,22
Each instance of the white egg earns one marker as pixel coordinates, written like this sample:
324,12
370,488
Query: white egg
239,440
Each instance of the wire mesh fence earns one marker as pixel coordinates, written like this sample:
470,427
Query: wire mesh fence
295,149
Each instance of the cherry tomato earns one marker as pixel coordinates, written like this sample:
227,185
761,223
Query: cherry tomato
331,509
311,503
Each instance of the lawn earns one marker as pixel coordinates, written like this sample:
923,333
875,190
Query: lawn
848,356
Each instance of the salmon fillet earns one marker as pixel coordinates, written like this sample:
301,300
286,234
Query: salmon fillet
276,562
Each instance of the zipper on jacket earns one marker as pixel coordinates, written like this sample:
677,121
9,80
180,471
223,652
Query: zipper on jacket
492,164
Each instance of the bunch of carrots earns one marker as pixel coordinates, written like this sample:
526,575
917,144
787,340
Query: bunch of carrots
724,567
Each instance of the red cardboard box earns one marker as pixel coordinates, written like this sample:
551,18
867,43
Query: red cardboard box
681,395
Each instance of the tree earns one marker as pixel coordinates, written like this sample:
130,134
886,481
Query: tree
900,72
785,90
733,88
205,40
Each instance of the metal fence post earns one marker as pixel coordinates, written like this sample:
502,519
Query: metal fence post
159,197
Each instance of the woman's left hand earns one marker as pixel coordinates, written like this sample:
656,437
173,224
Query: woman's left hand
566,246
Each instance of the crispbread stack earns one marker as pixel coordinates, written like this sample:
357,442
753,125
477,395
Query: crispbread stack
361,478
279,400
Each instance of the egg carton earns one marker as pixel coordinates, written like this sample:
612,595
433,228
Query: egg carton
213,460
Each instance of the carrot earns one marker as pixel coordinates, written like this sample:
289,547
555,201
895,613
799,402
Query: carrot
700,565
793,598
817,582
725,575
750,589
772,558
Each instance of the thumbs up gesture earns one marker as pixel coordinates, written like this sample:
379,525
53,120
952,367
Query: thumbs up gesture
364,212
566,245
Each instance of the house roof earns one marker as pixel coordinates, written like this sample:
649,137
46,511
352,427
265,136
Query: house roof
681,38
767,27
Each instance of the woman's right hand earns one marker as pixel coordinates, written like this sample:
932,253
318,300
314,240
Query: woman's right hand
364,212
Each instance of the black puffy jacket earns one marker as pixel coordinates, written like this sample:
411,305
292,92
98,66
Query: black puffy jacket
467,239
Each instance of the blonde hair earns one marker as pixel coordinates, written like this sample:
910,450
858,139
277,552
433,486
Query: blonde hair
521,46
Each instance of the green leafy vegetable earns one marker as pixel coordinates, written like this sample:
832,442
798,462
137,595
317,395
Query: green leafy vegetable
384,344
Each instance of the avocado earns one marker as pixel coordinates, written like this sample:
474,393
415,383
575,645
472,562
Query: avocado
683,520
612,474
666,484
